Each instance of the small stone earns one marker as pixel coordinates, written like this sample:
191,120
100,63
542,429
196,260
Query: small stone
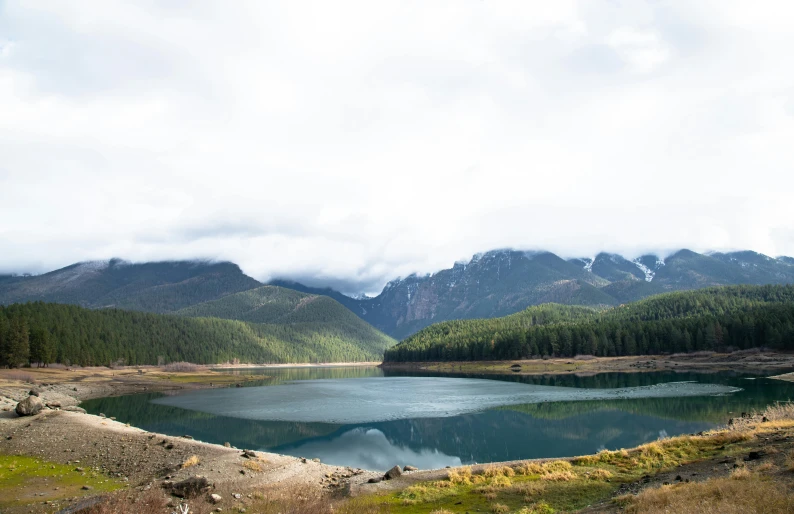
33,392
86,488
410,468
79,470
237,496
215,498
227,445
315,460
375,480
102,415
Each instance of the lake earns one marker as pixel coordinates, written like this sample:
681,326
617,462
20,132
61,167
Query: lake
373,419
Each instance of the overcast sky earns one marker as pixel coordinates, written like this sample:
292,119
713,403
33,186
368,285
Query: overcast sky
360,141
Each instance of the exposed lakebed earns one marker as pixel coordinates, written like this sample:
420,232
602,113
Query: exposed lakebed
361,418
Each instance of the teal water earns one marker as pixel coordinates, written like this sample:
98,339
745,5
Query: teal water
368,418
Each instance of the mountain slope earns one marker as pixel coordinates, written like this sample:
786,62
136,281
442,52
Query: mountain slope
153,286
277,306
710,319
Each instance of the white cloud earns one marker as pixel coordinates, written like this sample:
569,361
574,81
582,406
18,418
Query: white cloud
643,51
366,140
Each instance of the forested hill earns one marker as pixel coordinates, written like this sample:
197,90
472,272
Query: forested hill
722,318
277,305
47,332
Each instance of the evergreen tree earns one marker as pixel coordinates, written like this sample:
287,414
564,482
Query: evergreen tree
17,348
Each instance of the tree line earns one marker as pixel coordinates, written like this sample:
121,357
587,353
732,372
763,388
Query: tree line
717,319
41,333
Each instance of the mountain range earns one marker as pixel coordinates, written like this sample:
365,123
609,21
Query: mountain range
491,284
502,282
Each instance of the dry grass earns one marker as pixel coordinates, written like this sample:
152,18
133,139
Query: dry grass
22,376
779,412
599,474
253,465
191,461
559,476
790,461
749,495
460,476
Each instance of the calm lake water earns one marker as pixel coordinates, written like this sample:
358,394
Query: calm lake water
368,418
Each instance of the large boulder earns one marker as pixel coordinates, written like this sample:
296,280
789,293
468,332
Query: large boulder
189,487
29,406
393,473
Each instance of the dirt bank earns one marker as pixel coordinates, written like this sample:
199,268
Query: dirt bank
749,361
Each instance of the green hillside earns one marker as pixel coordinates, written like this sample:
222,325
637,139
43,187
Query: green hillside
709,319
35,332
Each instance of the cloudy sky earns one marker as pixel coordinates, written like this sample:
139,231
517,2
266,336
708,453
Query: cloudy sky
359,141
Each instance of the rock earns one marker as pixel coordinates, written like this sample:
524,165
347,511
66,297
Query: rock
375,480
79,470
9,437
86,488
72,408
249,454
189,487
227,445
216,498
169,446
315,460
54,405
29,406
410,468
33,392
755,455
187,437
393,473
102,415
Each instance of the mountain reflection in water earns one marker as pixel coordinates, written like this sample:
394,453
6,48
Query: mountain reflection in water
368,448
487,434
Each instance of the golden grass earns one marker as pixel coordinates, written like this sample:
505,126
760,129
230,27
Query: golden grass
191,461
559,476
599,474
460,476
252,465
750,494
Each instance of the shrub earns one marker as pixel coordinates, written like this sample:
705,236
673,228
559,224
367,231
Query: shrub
191,461
499,508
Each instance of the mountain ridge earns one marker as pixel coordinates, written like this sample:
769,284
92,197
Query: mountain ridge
491,284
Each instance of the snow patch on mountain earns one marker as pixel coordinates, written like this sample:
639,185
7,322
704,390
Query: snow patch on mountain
649,273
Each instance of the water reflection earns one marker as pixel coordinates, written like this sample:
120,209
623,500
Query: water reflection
369,448
506,433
